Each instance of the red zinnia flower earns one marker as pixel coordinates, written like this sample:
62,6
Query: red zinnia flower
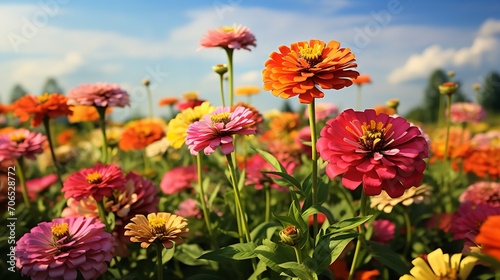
40,107
97,181
234,37
217,129
379,151
300,68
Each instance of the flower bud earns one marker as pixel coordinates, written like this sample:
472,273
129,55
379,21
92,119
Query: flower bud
146,82
290,235
393,103
220,69
476,86
451,73
448,88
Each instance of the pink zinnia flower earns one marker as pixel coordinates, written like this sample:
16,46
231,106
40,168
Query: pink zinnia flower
468,219
189,208
235,37
482,193
97,181
217,129
323,111
383,231
63,248
466,112
379,151
36,185
178,179
98,94
256,167
21,143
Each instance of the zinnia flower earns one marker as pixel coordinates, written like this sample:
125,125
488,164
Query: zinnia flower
362,79
483,162
323,111
167,101
178,179
413,195
247,90
21,143
177,127
189,100
139,134
64,248
256,168
217,129
469,217
165,227
379,151
230,37
489,237
40,107
189,208
441,266
83,113
383,231
36,185
466,112
482,192
300,68
98,94
97,181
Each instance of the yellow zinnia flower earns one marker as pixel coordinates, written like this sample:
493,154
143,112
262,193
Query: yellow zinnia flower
177,127
441,266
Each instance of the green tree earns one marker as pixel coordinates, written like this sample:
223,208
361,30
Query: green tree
51,86
489,96
17,92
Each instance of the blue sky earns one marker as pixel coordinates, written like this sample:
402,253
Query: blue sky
398,42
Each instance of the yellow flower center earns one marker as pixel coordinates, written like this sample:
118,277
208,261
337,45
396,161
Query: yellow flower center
94,178
60,230
43,98
311,54
18,138
157,224
227,29
220,118
373,135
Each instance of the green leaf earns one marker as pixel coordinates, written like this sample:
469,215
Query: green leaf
286,179
189,254
386,256
329,248
167,254
234,252
273,254
264,231
281,171
261,267
299,270
350,223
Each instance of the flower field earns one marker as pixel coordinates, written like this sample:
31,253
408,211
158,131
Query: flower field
225,191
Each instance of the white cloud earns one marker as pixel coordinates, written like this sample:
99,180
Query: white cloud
484,50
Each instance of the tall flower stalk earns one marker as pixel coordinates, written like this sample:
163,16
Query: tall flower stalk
361,238
206,214
22,181
159,261
102,125
221,69
229,53
314,158
240,214
146,83
46,125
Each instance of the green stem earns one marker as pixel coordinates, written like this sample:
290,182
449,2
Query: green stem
102,215
229,53
147,164
150,102
448,124
298,254
159,263
361,238
102,125
222,89
406,217
267,190
237,199
46,125
22,181
314,158
206,215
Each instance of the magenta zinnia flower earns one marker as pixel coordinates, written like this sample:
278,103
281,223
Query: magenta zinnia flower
36,185
235,37
98,94
178,179
383,231
21,143
217,129
189,208
63,248
482,192
97,181
379,151
256,168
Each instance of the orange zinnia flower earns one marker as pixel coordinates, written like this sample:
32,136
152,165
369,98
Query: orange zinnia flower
168,101
298,69
141,133
489,237
362,79
65,136
82,113
40,107
384,109
483,162
4,109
